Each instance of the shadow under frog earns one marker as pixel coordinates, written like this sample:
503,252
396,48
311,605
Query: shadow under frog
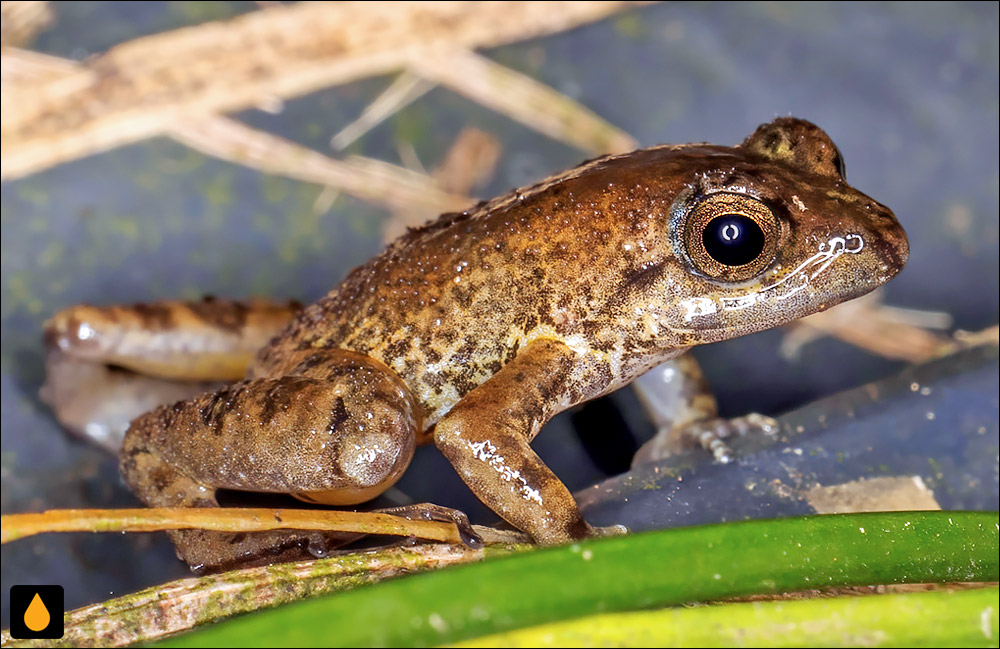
473,331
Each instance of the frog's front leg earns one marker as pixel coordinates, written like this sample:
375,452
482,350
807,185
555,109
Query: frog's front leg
486,438
679,401
339,430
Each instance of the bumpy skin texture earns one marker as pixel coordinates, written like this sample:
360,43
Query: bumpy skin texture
493,320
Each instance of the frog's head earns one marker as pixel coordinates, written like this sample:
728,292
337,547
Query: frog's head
771,232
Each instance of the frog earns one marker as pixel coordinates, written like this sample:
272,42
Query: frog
473,331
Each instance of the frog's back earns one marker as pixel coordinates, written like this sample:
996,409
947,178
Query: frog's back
448,304
612,260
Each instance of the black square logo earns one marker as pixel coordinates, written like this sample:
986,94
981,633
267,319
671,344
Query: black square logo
36,612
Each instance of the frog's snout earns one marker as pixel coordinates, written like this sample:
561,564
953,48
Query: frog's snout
889,241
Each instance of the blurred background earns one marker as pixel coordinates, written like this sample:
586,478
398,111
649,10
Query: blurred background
146,192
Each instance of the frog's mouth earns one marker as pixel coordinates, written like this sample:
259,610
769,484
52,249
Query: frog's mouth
717,317
801,276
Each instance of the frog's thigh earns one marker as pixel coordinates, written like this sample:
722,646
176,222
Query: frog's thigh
209,340
486,435
341,431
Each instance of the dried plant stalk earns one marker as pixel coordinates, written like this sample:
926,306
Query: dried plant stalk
471,161
137,89
18,526
181,605
890,332
19,66
20,21
374,181
386,185
524,99
405,89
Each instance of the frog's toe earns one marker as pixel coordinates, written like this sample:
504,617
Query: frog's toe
713,435
432,512
610,530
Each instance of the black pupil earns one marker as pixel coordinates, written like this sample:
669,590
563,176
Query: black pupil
733,239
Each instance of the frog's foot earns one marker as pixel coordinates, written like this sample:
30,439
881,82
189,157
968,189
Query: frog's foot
432,512
711,435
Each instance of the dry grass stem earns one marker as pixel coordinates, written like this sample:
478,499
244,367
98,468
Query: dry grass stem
230,140
405,89
19,66
523,99
18,526
181,605
138,89
379,182
900,334
20,21
470,162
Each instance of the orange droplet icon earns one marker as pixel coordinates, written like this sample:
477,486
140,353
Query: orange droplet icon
36,617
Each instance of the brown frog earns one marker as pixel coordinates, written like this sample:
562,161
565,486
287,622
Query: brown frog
473,331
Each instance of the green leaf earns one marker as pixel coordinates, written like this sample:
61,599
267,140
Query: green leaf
660,568
965,618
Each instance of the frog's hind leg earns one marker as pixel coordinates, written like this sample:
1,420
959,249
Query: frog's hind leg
678,400
98,401
107,365
340,430
207,340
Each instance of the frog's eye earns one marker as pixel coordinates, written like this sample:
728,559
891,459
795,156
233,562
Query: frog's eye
730,237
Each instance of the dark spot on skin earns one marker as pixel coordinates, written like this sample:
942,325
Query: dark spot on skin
338,415
887,250
463,296
640,279
578,528
396,349
780,210
213,415
434,380
590,328
466,351
528,321
432,355
462,382
444,221
772,140
154,316
310,362
278,398
493,366
160,478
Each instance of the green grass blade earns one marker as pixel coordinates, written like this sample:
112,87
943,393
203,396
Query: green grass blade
626,573
966,618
